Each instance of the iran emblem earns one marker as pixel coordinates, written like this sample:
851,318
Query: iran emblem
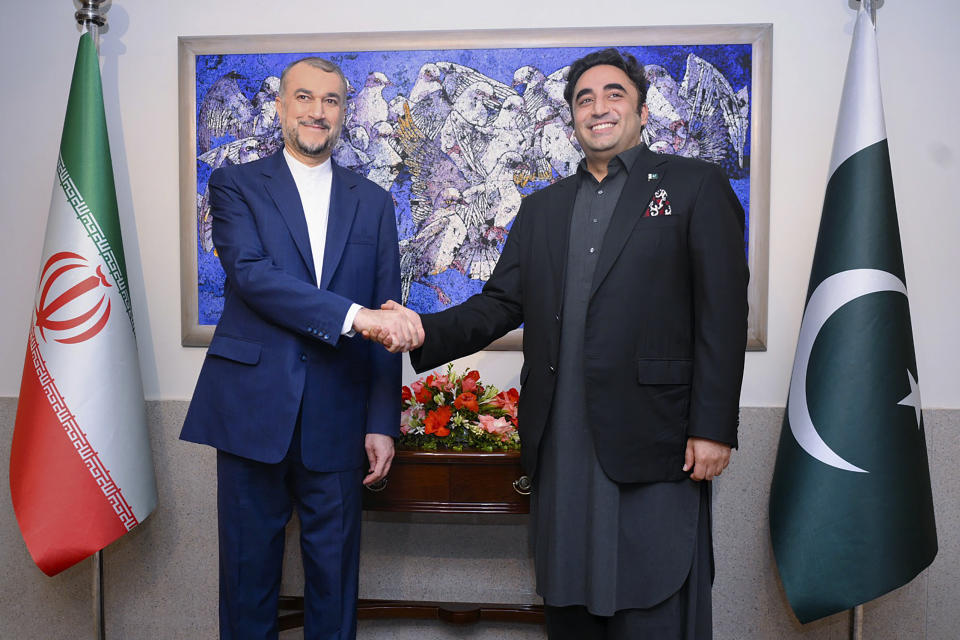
74,305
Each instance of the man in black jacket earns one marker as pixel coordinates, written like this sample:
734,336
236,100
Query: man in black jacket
630,280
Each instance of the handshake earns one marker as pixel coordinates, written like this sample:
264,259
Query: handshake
394,326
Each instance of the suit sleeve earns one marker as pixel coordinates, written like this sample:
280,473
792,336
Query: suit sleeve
482,318
383,401
277,296
719,280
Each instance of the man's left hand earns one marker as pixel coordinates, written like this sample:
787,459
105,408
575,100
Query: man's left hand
380,454
707,458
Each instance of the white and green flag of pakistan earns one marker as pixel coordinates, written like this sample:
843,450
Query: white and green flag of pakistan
851,511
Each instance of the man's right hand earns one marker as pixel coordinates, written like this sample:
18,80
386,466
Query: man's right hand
393,325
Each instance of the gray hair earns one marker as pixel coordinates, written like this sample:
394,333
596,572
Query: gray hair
318,63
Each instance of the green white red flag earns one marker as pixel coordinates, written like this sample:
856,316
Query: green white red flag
81,472
851,509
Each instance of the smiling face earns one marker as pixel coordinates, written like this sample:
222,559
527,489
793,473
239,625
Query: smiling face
311,110
606,118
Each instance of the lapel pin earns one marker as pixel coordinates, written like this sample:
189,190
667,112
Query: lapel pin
653,176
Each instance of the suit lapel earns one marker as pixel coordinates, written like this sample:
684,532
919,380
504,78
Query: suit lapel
343,209
283,190
558,234
633,201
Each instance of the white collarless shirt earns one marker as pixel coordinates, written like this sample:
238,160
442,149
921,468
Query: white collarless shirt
314,185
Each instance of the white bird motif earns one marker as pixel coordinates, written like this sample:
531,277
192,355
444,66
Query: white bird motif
369,105
385,162
460,136
504,134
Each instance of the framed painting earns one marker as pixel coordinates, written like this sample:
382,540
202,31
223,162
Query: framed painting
460,126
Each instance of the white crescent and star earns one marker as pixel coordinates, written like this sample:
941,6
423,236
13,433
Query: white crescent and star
829,296
913,399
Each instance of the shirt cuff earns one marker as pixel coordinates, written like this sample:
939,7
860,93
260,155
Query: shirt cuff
347,329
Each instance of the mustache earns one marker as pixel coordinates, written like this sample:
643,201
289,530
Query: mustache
312,122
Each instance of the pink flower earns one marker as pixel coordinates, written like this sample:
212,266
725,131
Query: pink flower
405,421
507,400
440,382
420,392
469,382
497,426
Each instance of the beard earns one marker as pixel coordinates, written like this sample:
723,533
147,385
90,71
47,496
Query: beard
292,138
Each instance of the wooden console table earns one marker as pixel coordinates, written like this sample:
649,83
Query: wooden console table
452,482
443,482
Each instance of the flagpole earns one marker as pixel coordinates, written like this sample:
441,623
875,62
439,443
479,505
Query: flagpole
856,617
856,623
91,17
99,619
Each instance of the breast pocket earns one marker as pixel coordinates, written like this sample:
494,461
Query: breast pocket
360,255
660,222
356,272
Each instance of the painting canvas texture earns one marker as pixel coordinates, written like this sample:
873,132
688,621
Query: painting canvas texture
459,137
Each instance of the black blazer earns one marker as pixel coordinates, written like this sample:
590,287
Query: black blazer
666,324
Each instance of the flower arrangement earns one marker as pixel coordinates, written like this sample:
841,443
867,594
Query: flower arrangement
457,411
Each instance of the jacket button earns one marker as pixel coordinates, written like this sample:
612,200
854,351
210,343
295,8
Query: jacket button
556,317
303,357
553,369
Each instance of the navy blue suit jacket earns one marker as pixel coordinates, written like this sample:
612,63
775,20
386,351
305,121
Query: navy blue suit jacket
278,344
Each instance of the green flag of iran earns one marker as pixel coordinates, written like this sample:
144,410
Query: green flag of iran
81,471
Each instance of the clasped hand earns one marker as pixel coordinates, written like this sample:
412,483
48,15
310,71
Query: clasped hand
394,326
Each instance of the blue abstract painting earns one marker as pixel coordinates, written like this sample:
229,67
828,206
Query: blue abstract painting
459,137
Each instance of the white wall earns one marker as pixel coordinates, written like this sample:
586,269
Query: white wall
918,47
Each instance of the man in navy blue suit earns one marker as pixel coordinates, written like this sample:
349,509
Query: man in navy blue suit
289,395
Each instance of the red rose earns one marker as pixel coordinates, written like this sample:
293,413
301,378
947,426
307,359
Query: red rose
436,421
405,394
507,400
469,382
467,401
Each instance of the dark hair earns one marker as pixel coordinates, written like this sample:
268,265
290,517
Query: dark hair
623,61
317,63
